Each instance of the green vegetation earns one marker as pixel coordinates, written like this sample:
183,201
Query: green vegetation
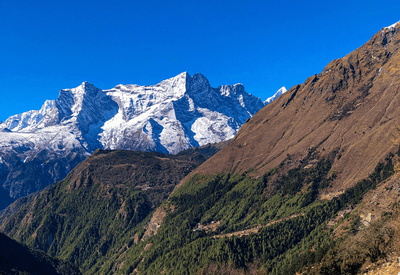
99,228
101,208
240,203
80,227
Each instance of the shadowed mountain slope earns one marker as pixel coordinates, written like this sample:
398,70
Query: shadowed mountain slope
18,259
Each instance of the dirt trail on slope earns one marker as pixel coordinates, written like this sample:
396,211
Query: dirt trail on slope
255,230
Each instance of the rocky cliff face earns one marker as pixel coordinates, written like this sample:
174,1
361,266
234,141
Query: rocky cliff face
38,148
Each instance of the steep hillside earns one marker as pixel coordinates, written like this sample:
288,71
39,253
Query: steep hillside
18,259
352,108
274,223
370,233
105,198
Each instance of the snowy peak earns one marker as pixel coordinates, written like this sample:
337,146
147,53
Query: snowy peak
176,114
74,99
85,105
28,121
200,80
275,96
229,90
173,81
197,84
392,27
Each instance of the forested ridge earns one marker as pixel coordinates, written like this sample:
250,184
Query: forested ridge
240,202
101,227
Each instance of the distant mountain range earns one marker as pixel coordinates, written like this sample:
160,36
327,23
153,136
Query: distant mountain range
174,115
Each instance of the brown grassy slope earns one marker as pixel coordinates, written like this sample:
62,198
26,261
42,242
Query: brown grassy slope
150,171
352,107
372,246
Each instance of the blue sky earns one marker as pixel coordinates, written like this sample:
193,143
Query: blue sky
47,45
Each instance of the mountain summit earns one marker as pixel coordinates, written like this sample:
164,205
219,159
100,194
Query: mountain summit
280,92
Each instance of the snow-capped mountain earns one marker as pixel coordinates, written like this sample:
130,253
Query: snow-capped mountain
275,96
174,115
